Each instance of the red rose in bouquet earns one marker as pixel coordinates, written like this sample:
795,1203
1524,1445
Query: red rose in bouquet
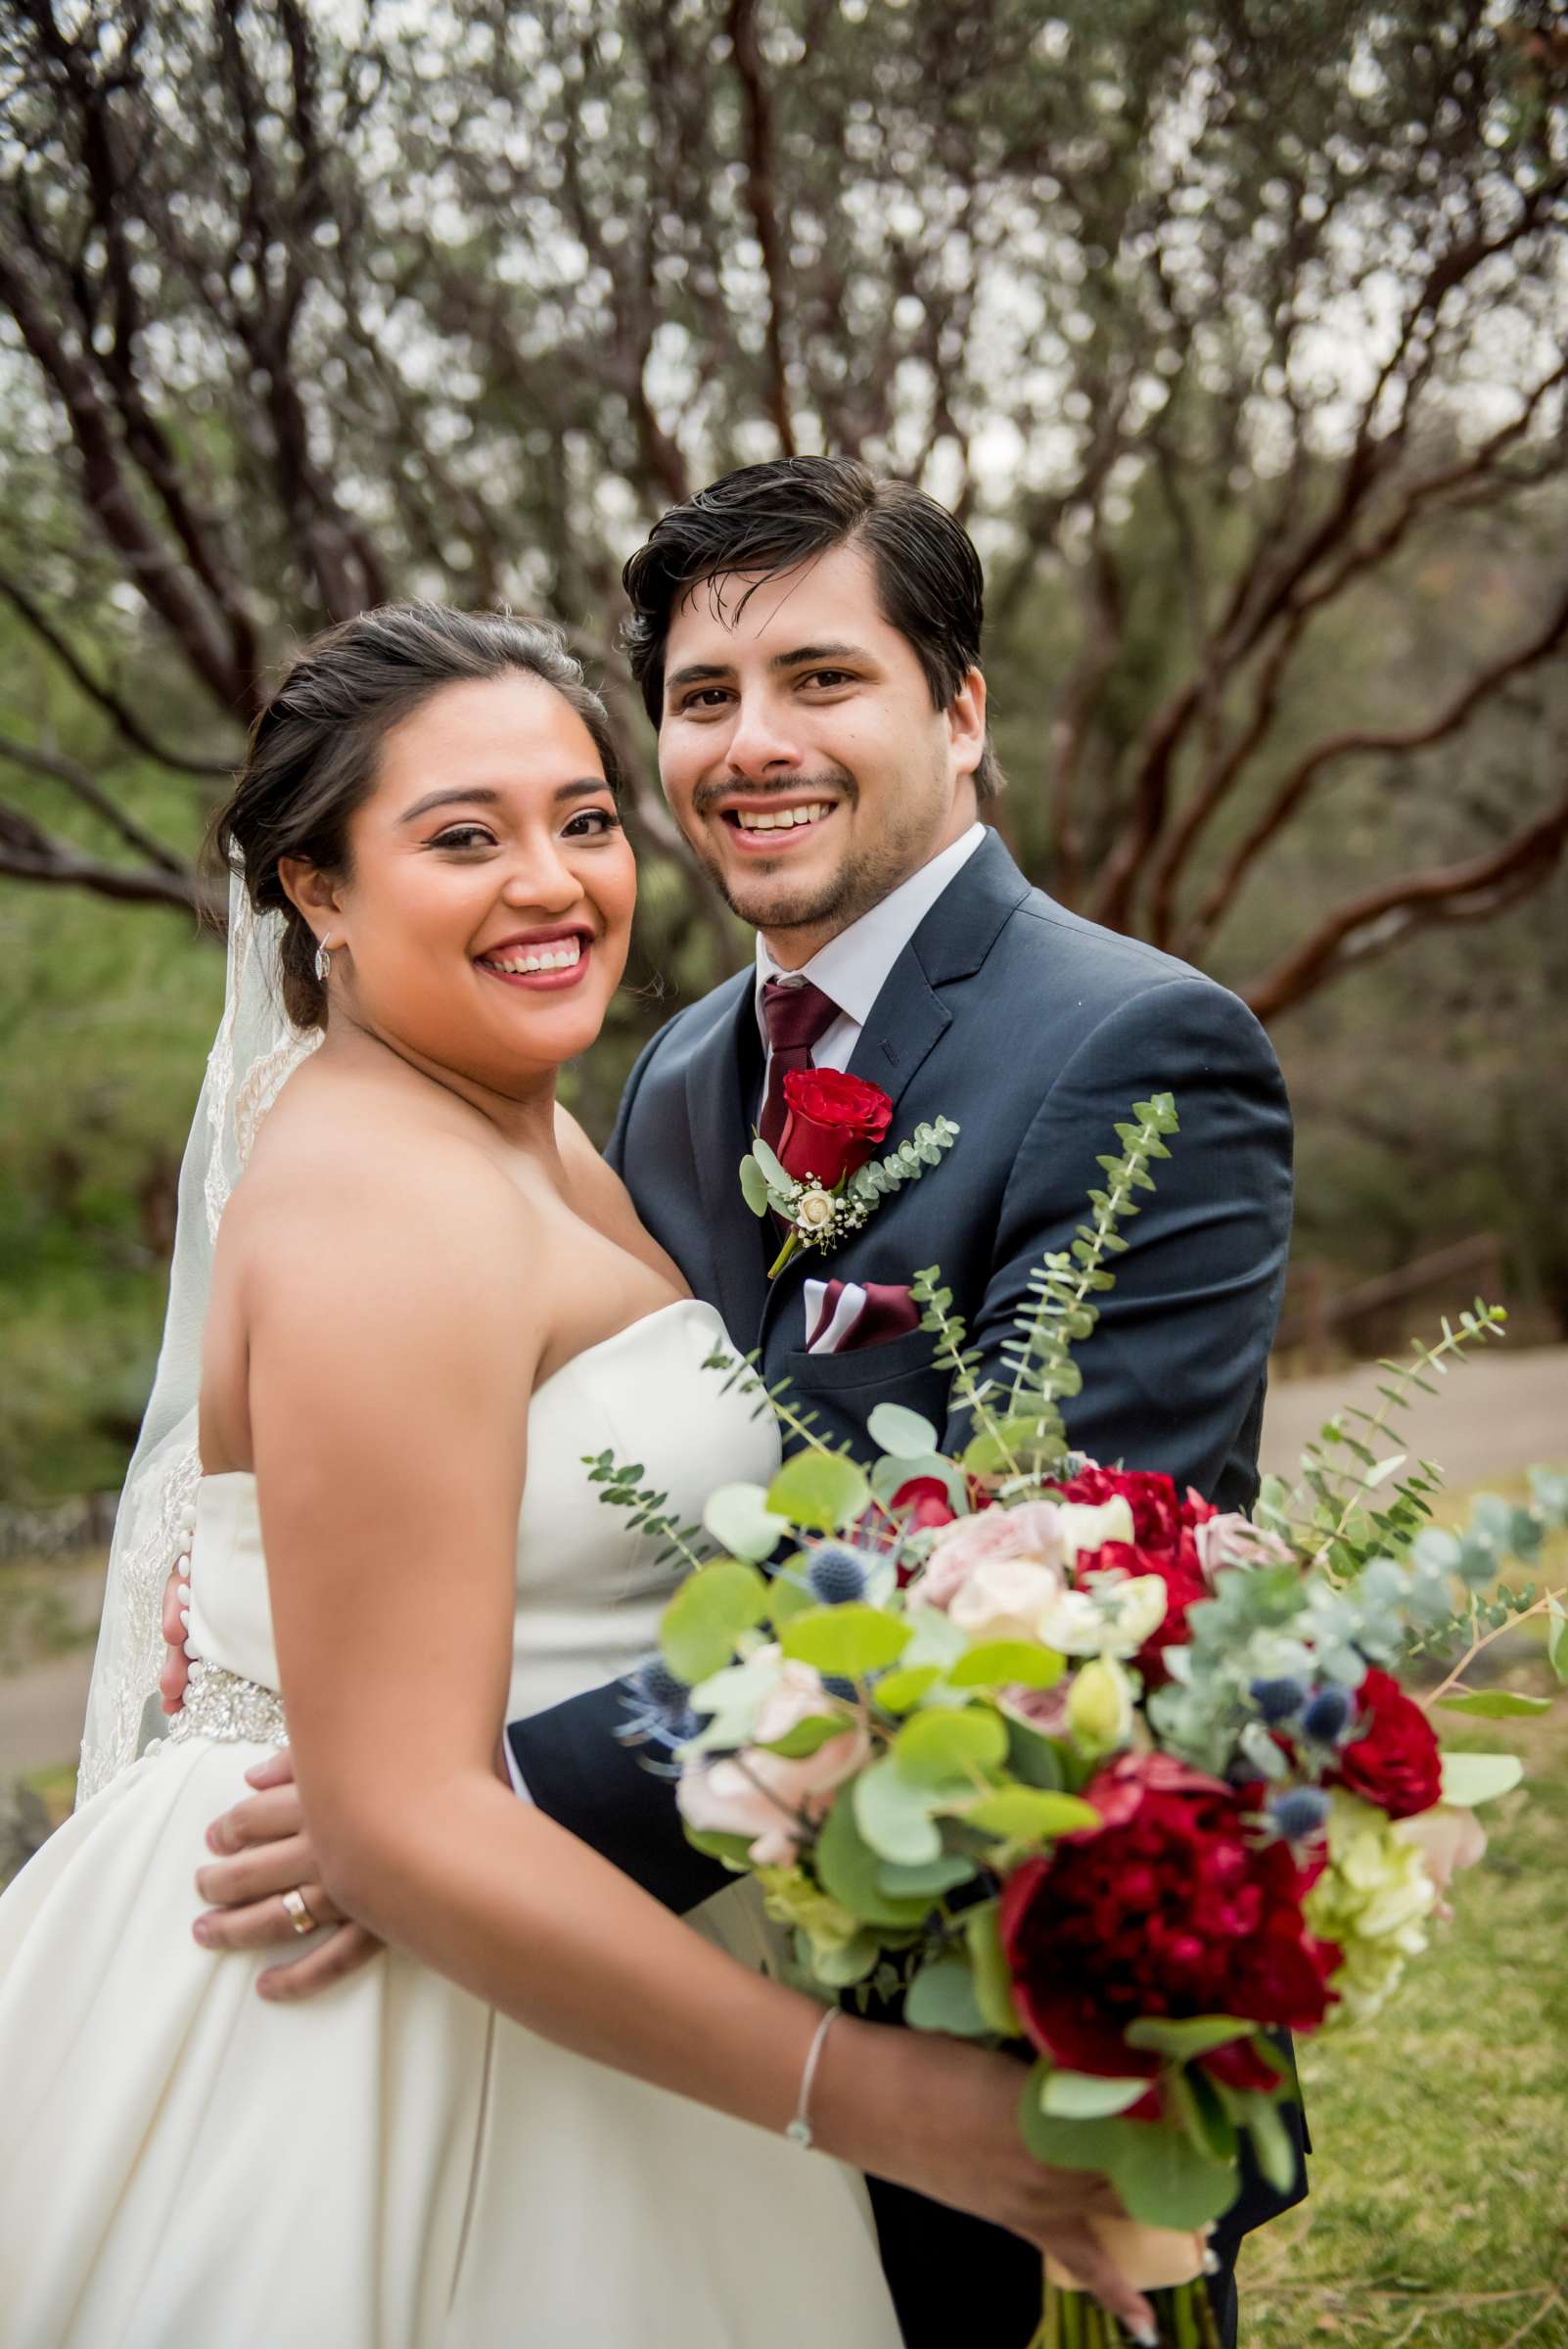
833,1125
1394,1760
1159,1519
1174,1907
1162,1543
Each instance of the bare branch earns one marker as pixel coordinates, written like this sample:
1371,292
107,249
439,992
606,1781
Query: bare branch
104,696
29,854
79,783
761,199
1378,919
1290,794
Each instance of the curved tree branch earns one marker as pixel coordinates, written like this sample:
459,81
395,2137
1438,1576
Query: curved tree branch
1379,918
30,853
104,696
761,200
1290,794
79,783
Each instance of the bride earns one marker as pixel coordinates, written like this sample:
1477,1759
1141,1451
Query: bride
550,2113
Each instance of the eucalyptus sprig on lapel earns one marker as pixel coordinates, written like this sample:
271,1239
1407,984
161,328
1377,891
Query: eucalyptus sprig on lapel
823,1182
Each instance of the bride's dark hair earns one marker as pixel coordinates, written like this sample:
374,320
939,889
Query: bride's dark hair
314,748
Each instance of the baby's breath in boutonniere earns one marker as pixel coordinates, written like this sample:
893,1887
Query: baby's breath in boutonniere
823,1182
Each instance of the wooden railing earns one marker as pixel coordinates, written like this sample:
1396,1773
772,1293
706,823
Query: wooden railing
1312,1319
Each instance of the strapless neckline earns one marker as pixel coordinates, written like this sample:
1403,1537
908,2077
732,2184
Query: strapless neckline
616,1337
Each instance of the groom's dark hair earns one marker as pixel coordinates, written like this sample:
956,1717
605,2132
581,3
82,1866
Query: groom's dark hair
767,519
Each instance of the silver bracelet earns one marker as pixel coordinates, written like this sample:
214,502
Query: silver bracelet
798,2130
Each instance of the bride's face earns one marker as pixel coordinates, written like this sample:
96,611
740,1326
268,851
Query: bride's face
486,913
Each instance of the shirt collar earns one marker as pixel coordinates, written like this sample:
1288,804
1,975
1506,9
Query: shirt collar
853,968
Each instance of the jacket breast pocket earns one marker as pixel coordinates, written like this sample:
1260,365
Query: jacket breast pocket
904,1362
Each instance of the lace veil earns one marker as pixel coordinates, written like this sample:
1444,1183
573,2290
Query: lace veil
256,1049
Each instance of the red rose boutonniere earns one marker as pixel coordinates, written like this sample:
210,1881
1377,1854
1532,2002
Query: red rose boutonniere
824,1180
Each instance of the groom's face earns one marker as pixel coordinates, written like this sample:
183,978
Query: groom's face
800,750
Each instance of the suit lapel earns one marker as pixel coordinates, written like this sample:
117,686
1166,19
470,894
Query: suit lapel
723,1081
910,1016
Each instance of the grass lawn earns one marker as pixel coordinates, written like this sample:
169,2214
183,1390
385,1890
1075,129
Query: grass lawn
1438,2210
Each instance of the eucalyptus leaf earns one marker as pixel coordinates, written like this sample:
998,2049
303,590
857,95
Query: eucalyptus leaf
739,1517
1260,2115
930,1877
1200,2109
941,1997
893,1814
1009,1663
1029,1814
847,1641
850,1962
902,1432
1162,2178
820,1489
849,1870
1497,1704
937,1747
753,1185
900,1692
1089,2097
1186,2036
1557,1642
808,1736
707,1616
1471,1778
774,1174
994,1982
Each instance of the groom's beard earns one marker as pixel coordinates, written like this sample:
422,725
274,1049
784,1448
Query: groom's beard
862,877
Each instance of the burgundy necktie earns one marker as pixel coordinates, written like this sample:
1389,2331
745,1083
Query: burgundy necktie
797,1017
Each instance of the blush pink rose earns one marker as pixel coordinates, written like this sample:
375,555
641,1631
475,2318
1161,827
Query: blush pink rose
765,1796
1007,1599
1033,1531
1447,1839
1234,1540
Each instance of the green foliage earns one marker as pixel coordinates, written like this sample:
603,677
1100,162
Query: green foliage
818,1489
849,1640
709,1612
1061,1312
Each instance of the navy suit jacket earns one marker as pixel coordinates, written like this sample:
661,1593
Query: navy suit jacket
1035,1031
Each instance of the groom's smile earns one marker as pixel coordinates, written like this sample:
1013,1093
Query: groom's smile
800,751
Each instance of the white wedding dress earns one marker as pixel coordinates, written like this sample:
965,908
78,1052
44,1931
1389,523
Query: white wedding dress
392,2165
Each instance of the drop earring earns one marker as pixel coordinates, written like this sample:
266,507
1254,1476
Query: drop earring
323,959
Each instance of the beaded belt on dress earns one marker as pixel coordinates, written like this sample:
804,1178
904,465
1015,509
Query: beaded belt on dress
220,1704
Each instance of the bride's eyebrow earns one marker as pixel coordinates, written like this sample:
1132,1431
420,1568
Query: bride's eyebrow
480,794
476,796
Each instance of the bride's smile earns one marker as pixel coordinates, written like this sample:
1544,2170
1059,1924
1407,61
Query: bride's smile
479,916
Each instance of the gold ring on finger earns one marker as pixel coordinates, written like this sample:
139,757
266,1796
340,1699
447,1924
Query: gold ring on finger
299,1916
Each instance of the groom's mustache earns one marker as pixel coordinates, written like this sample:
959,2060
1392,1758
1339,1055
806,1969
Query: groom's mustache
836,784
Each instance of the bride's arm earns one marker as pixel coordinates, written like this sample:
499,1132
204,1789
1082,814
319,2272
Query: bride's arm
392,1350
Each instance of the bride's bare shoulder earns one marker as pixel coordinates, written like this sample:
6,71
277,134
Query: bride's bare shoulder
336,1164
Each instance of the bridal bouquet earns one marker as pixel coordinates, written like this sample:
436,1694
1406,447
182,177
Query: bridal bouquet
1073,1760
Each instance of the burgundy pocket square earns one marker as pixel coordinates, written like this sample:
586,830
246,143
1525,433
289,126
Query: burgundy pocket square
845,1316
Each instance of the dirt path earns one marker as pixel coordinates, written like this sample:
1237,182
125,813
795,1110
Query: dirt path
1492,1419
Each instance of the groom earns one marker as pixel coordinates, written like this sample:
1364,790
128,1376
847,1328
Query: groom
808,642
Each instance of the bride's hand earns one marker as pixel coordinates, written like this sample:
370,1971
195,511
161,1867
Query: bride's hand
267,1851
941,2115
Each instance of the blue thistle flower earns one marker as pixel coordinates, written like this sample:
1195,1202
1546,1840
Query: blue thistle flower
1327,1716
836,1574
1300,1812
659,1686
1277,1700
659,1709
